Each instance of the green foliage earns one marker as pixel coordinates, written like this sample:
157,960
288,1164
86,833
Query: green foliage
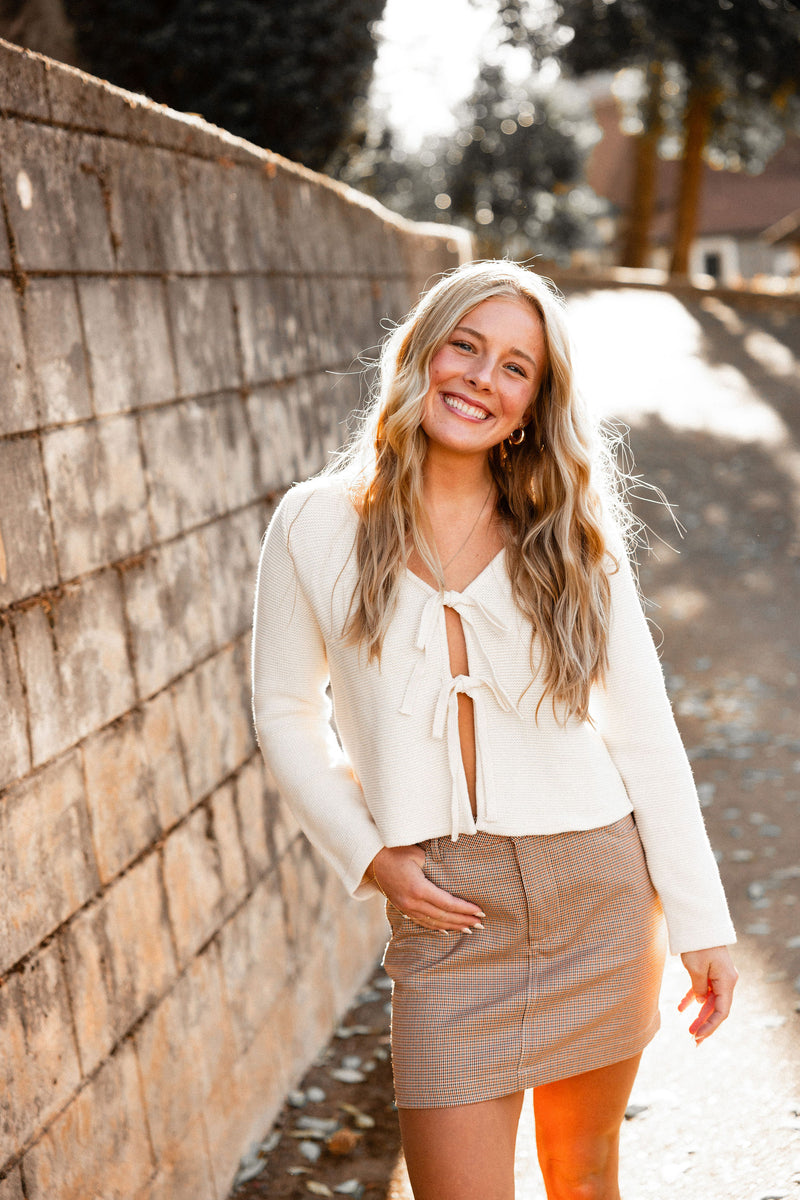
288,76
745,53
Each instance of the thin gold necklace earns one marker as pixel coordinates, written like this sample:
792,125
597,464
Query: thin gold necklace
472,530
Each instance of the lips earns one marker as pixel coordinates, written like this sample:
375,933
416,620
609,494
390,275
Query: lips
459,405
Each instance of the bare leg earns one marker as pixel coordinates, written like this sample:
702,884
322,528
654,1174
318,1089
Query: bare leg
462,1153
577,1131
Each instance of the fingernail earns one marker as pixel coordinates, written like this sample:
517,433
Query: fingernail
467,930
477,926
482,915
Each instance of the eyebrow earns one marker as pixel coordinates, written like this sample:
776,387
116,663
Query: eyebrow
514,349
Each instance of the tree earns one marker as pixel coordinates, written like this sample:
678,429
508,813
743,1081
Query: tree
512,173
722,51
292,77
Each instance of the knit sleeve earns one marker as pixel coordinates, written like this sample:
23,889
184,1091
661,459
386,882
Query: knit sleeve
634,717
292,715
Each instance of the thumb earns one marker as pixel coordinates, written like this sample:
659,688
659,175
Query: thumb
699,975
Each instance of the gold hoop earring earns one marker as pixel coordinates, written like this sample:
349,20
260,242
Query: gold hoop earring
517,437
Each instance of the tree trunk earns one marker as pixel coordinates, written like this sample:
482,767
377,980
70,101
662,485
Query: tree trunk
643,196
697,125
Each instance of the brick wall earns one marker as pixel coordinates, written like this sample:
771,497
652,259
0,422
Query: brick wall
173,303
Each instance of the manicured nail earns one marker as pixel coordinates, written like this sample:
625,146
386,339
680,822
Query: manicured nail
467,930
482,915
478,926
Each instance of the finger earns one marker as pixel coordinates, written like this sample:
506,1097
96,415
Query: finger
446,919
688,999
439,898
700,1030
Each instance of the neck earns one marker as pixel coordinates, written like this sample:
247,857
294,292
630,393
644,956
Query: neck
455,478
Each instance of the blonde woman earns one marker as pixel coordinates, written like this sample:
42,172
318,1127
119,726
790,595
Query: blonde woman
507,770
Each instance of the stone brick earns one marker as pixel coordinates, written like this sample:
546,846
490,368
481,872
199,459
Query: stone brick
232,865
127,342
273,326
39,1064
119,793
226,1113
192,877
46,853
168,605
255,961
185,1048
119,959
205,337
212,704
22,82
24,521
160,739
84,102
185,1171
232,545
99,1146
359,933
235,453
74,663
268,1068
55,198
216,214
269,419
253,804
263,191
188,488
308,885
55,343
305,426
268,827
145,193
15,756
11,1186
17,408
97,491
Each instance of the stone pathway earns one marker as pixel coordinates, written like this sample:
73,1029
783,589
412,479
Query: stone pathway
712,396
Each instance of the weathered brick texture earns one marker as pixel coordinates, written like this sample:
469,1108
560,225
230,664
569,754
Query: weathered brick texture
181,316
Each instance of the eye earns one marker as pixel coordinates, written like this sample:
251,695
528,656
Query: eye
517,369
460,344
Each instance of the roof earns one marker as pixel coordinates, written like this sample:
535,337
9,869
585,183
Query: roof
731,202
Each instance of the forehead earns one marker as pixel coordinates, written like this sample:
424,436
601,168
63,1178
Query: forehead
505,315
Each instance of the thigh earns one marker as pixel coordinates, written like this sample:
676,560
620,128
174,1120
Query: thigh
464,1152
578,1122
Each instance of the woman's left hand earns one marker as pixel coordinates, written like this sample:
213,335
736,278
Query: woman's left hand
713,977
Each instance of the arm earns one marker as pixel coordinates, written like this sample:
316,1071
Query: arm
292,714
634,717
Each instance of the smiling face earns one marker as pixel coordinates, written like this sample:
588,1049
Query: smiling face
485,378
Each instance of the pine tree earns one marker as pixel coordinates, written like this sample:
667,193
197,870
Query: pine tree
288,76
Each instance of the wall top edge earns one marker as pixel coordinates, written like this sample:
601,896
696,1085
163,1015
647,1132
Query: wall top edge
43,89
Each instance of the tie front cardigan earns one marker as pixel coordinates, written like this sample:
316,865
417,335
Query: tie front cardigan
394,774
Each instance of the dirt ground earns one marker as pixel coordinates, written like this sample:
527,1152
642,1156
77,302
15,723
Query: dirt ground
712,397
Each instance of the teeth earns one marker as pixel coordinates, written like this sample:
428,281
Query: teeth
468,409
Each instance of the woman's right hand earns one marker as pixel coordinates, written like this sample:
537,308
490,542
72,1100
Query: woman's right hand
397,870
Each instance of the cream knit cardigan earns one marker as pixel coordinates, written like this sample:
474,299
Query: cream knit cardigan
397,776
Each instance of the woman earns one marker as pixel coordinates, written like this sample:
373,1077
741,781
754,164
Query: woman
509,774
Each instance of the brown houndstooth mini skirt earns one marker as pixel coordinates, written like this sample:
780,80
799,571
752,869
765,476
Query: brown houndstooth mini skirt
564,978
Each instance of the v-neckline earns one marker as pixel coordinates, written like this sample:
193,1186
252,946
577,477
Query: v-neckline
462,591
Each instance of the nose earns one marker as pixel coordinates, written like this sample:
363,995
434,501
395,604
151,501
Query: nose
479,373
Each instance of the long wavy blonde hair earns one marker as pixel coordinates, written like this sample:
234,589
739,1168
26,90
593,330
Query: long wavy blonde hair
557,491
